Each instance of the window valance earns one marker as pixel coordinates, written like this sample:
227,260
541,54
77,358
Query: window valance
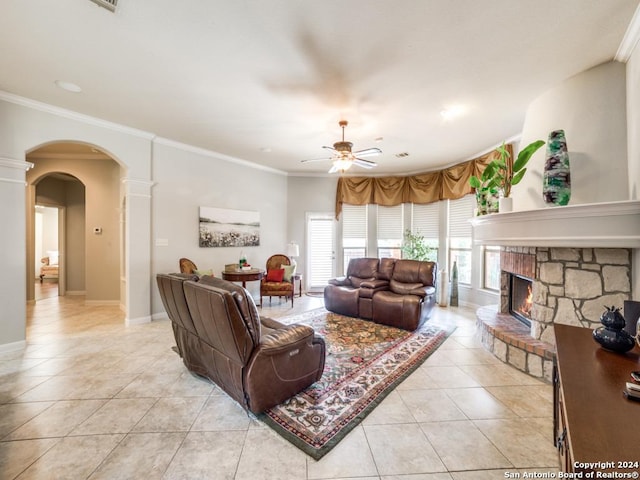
447,184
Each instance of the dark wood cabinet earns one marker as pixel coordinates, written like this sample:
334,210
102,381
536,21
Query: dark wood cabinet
595,427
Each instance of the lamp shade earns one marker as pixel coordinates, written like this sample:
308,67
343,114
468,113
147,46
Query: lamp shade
293,250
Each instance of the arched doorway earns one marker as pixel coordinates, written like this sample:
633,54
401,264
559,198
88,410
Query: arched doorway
84,183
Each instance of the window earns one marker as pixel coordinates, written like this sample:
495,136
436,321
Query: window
425,221
460,211
354,233
390,227
491,268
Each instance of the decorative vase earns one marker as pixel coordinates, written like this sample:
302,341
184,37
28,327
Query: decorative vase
612,335
453,300
505,204
487,200
556,181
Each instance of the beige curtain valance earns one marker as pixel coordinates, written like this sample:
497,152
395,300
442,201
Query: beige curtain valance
447,184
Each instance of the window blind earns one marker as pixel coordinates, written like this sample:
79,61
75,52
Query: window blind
390,222
320,251
460,212
425,219
354,222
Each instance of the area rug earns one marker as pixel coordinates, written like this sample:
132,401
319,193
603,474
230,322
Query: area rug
365,361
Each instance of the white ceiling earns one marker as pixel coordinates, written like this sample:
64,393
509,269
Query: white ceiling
268,80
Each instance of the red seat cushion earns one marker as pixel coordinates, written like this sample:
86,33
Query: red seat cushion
275,275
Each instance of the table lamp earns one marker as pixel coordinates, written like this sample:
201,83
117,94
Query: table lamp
293,251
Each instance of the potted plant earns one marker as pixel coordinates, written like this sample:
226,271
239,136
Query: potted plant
486,191
501,174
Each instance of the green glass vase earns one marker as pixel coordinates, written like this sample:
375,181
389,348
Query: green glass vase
556,180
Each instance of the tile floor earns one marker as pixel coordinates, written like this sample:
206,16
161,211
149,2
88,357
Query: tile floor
92,398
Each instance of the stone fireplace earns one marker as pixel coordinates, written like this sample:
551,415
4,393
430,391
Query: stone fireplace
575,272
570,285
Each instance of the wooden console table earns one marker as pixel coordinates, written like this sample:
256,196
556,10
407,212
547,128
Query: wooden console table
595,427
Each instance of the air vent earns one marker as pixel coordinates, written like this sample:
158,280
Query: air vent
402,154
108,4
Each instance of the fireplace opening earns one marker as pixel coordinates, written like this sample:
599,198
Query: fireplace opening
520,298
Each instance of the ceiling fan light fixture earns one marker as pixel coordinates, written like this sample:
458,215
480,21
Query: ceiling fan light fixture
341,164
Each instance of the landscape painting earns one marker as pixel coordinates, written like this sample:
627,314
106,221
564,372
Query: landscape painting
222,227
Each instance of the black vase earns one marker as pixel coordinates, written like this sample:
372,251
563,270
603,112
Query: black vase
612,335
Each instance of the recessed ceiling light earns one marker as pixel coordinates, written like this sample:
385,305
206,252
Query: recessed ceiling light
452,112
379,139
68,86
402,154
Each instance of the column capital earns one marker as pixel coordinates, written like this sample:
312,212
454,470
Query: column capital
137,187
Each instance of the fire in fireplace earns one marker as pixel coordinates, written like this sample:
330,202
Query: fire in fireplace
520,298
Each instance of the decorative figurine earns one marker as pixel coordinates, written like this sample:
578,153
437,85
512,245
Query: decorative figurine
612,335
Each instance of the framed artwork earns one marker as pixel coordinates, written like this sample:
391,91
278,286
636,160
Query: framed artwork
223,227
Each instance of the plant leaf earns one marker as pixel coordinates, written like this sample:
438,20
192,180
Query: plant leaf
518,176
525,155
475,182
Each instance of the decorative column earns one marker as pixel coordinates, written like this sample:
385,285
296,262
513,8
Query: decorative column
137,254
13,246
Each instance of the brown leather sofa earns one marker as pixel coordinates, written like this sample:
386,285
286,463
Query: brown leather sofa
399,293
219,334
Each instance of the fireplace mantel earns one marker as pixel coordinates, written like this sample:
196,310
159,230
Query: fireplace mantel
594,225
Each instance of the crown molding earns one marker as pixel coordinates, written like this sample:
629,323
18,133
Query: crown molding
79,117
13,163
630,39
209,153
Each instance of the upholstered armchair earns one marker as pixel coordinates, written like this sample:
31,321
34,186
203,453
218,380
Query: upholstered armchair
274,283
187,266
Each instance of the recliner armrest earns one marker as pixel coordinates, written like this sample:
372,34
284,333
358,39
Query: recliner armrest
340,282
422,291
285,338
375,284
271,323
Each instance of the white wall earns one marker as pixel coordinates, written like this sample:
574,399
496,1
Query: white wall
188,179
307,194
633,129
591,108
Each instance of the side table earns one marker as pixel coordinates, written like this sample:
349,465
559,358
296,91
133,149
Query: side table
244,276
298,277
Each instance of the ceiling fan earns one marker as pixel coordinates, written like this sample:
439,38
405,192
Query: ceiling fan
342,156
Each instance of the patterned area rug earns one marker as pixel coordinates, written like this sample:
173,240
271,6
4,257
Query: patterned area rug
365,361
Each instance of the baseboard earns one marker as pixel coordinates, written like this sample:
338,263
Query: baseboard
72,293
160,316
12,347
137,321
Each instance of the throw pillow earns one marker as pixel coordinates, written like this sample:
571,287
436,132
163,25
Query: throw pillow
275,275
200,273
289,270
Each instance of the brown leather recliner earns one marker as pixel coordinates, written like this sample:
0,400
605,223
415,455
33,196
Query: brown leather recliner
343,293
411,295
259,362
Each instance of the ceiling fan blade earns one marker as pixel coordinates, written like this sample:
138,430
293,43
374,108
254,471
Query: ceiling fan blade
333,168
368,152
364,163
315,160
330,148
